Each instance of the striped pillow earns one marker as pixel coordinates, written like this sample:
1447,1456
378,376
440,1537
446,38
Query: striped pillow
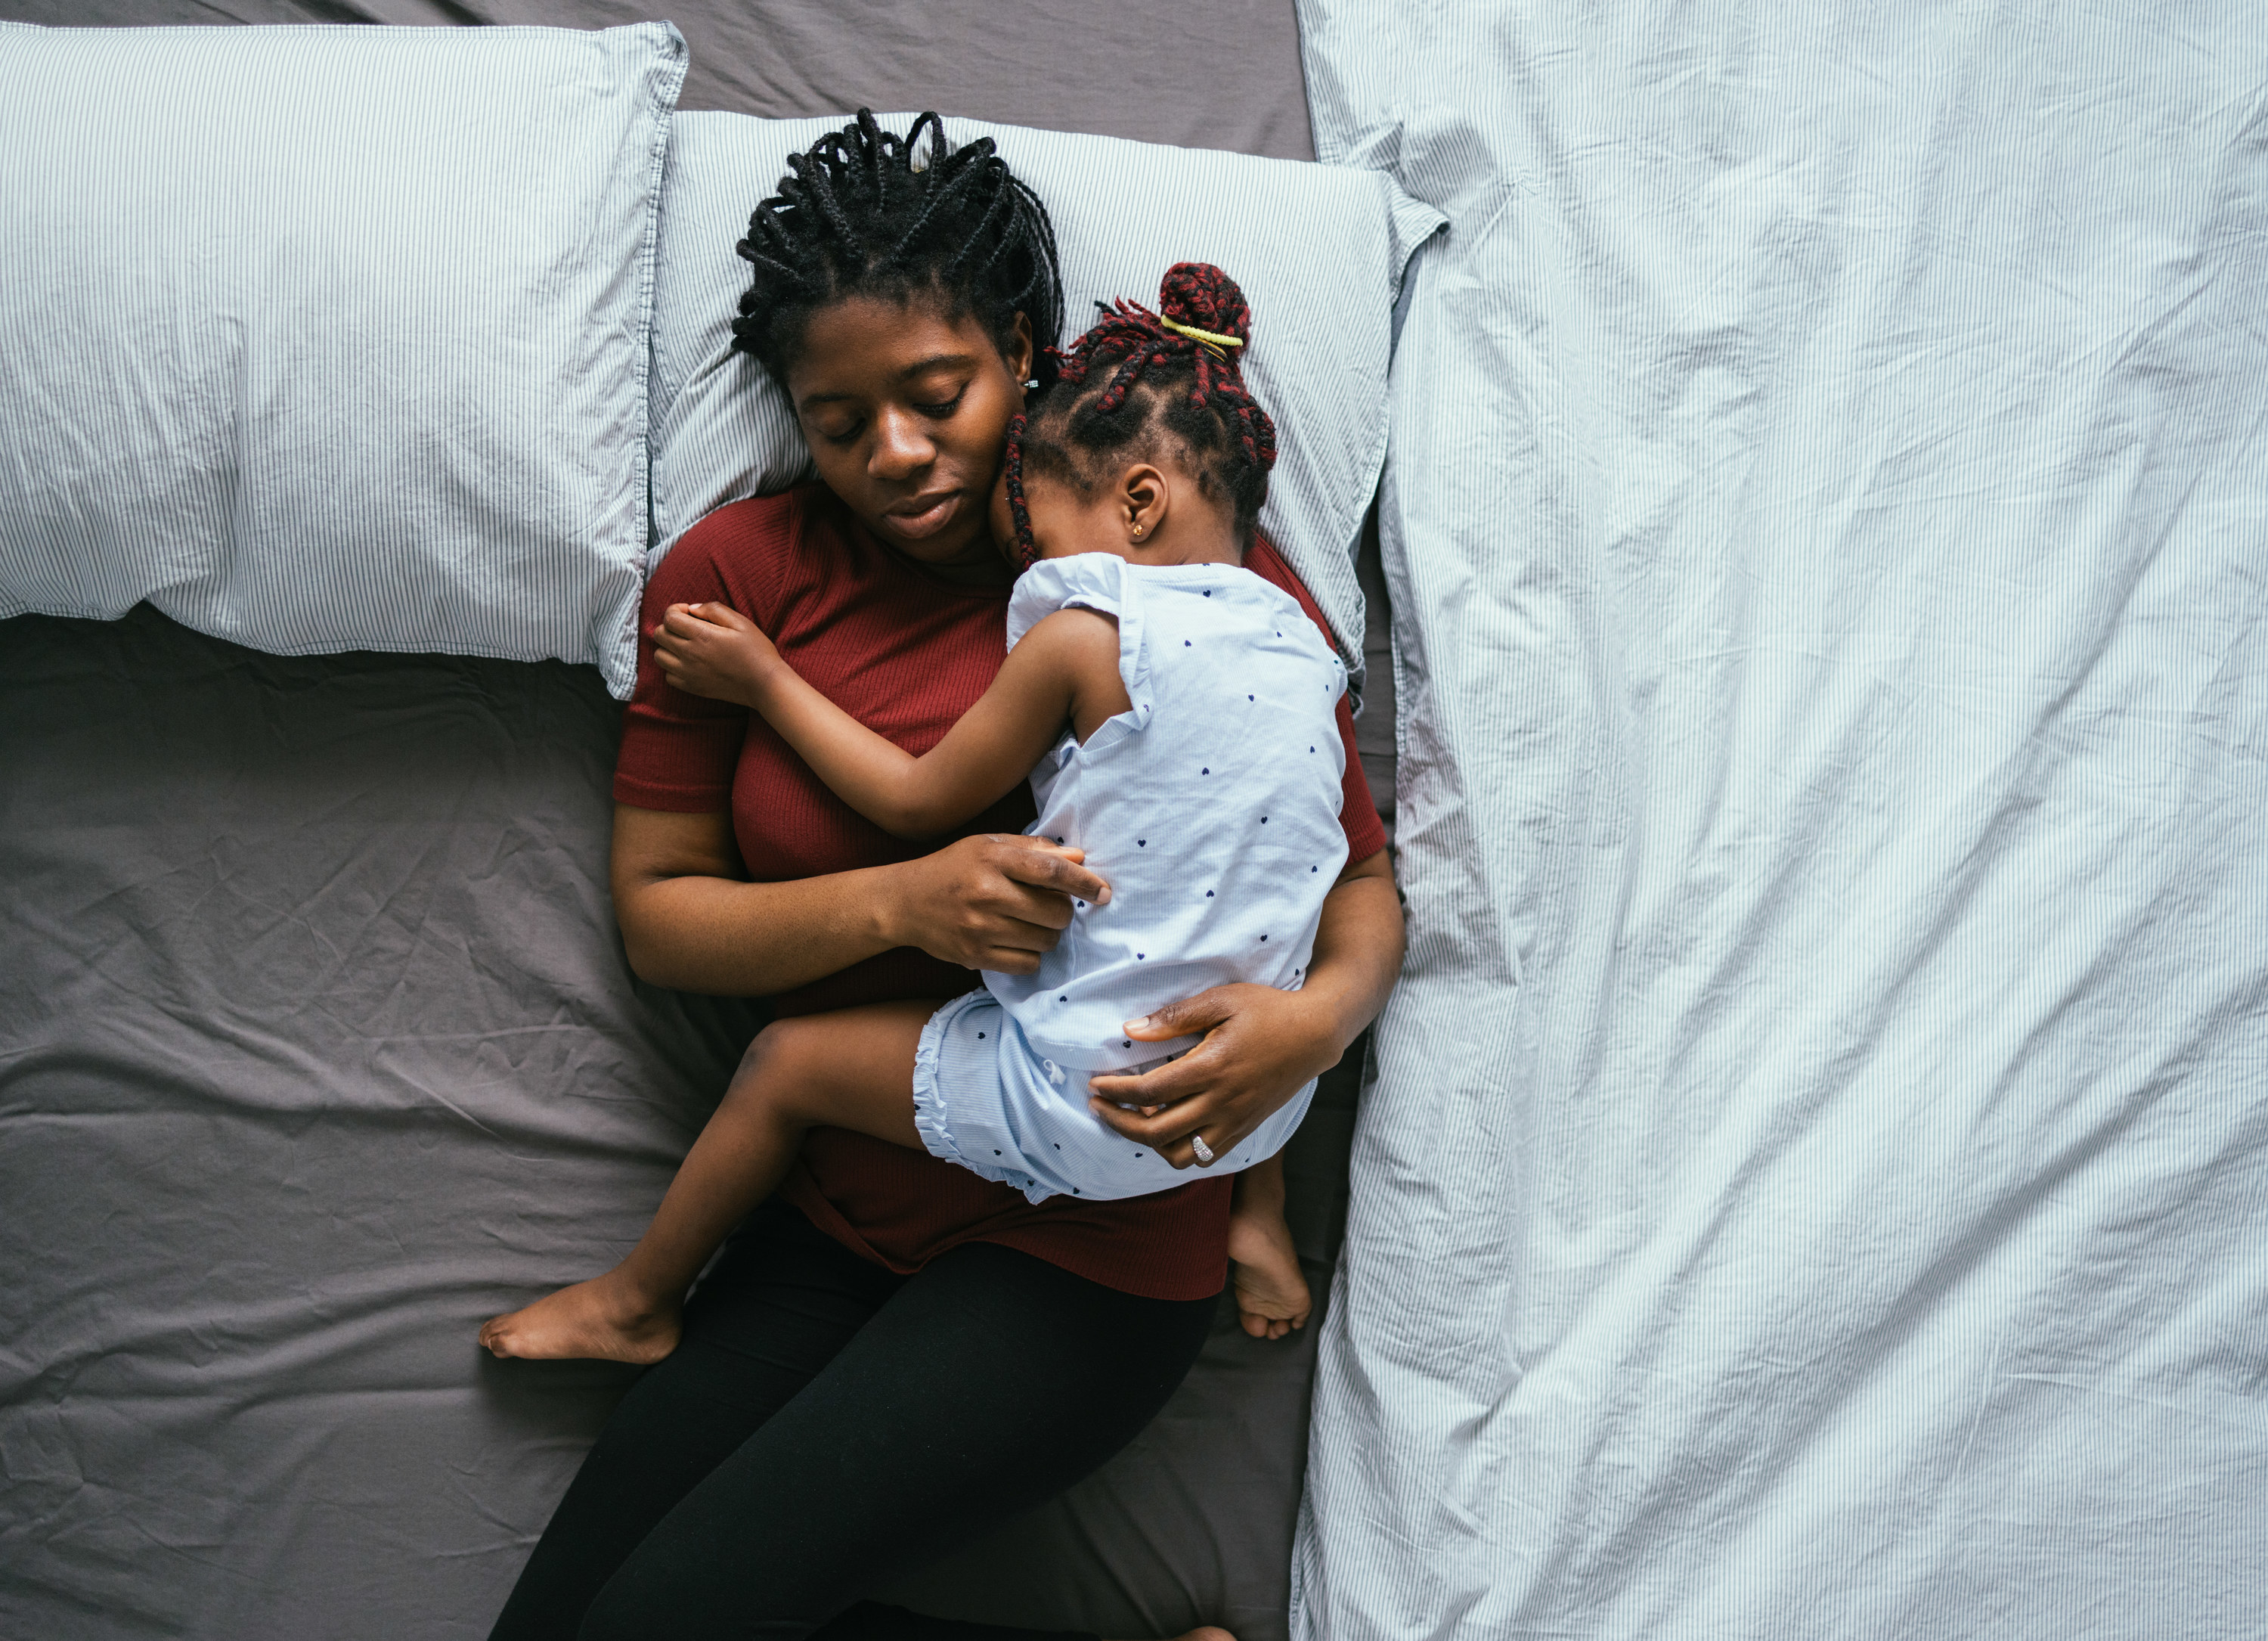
1319,251
322,339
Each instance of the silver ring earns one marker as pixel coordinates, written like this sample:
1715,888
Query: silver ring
1204,1151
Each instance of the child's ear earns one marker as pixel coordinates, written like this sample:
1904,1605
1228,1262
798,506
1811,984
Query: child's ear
1144,497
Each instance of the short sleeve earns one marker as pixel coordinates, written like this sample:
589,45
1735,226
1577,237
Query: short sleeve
1090,580
679,751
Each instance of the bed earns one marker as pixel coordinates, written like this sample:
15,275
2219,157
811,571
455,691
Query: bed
1806,1180
317,1046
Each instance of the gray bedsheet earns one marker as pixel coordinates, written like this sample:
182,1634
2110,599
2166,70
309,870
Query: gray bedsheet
317,1046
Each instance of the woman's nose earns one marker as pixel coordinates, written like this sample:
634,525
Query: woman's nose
902,447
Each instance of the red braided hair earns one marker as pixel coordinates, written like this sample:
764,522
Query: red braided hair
1082,421
1027,551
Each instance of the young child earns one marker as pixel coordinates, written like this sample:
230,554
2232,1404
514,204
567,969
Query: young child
1175,716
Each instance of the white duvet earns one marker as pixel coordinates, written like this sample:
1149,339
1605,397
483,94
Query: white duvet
1816,1180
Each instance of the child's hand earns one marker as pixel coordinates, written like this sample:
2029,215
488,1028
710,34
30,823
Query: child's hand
713,650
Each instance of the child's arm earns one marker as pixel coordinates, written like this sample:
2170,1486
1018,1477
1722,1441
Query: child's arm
1064,669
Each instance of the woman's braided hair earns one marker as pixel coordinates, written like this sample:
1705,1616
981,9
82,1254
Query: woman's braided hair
1132,378
868,213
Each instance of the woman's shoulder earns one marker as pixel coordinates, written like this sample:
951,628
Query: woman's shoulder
759,524
744,546
1264,561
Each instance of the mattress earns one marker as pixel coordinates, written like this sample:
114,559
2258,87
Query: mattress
317,1046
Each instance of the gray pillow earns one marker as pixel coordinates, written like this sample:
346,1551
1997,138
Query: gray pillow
325,339
1319,251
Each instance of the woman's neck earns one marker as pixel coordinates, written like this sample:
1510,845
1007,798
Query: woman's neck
982,567
976,566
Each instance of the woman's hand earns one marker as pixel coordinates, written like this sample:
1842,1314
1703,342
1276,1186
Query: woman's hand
712,650
995,901
1261,1045
691,921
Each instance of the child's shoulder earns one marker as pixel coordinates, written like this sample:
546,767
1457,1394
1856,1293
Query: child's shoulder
1224,598
1230,599
1094,581
1261,559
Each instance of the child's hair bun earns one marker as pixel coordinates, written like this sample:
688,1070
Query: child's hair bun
1202,297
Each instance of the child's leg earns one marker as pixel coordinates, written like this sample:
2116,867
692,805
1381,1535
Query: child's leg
1271,1293
853,1068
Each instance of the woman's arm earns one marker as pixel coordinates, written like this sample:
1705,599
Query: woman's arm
1261,1044
996,901
1064,669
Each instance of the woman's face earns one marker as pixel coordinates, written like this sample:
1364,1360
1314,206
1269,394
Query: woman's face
907,414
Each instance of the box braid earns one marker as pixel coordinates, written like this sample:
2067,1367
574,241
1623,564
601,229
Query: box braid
1132,375
865,212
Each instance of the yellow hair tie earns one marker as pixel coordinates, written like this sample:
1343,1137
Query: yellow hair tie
1211,338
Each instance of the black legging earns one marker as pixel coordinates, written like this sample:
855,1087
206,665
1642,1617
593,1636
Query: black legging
826,1421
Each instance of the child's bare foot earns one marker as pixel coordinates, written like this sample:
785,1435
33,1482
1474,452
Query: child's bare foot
601,1318
1271,1294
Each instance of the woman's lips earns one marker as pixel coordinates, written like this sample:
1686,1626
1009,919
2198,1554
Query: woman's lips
924,516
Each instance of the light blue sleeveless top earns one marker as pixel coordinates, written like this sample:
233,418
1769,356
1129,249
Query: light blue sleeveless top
1211,807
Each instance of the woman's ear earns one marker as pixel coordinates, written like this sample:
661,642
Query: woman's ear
1144,497
1018,355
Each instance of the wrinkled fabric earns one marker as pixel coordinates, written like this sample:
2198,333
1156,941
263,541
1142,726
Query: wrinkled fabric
318,1046
1812,1185
223,836
217,405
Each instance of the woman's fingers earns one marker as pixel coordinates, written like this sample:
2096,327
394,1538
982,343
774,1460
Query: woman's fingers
995,901
1191,1016
1041,863
1173,1105
1183,1079
1169,1131
1260,1046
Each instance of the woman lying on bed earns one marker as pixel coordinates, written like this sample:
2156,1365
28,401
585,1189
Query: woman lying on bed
895,1355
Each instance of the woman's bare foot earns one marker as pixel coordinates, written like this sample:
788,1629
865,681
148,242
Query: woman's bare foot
1271,1294
603,1319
